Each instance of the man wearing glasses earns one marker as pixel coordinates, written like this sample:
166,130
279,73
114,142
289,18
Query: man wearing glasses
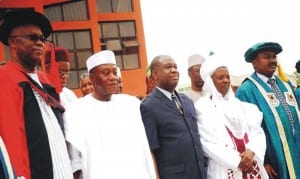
30,112
62,59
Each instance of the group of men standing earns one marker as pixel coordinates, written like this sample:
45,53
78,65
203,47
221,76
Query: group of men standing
118,136
277,102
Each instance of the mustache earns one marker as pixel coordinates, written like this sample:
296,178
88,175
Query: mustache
273,63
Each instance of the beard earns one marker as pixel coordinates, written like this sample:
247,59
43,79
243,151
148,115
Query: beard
28,61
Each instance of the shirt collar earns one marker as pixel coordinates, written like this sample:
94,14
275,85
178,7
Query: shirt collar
264,78
165,92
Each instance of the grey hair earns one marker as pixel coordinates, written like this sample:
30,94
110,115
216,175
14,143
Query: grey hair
156,60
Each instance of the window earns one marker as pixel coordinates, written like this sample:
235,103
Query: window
67,12
120,37
79,45
108,6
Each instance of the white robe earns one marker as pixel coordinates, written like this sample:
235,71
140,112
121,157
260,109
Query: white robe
111,138
67,96
195,95
214,113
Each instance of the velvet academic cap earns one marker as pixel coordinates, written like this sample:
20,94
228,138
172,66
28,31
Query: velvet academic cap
16,18
259,47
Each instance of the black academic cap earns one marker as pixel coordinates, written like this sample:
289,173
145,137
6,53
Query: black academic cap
16,18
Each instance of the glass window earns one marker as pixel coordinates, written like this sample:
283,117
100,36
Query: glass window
122,5
119,61
65,39
120,37
109,30
82,57
81,72
75,11
73,63
127,29
73,81
79,45
108,6
104,6
70,11
114,45
130,43
83,39
131,61
54,13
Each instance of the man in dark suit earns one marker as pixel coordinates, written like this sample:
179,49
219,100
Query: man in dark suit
171,127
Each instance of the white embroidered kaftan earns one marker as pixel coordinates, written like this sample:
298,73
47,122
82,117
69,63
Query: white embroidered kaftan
111,138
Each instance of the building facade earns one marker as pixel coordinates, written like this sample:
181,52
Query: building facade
88,26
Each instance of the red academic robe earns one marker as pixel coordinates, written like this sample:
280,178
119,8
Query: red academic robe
12,120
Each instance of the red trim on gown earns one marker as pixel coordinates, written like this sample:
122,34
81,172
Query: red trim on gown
240,144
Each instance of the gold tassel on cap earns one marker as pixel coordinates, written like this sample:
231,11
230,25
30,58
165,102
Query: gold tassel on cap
281,74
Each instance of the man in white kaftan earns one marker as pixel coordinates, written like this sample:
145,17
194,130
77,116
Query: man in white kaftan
108,131
194,65
67,96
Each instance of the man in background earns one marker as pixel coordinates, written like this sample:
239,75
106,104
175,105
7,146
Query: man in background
120,81
194,64
297,91
86,85
62,58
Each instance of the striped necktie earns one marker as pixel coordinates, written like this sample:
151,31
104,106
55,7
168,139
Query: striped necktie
282,100
177,103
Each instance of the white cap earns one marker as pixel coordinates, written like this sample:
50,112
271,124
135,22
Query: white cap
100,58
195,59
210,66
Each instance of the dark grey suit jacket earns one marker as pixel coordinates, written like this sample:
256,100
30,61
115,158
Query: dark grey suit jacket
173,137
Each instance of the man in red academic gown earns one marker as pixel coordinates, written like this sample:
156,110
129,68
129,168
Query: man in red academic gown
29,111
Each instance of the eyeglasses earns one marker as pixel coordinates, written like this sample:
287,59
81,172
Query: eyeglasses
62,73
32,37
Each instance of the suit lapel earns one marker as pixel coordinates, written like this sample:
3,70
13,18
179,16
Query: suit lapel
165,100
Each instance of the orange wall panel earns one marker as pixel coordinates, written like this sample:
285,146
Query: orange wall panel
134,82
19,3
